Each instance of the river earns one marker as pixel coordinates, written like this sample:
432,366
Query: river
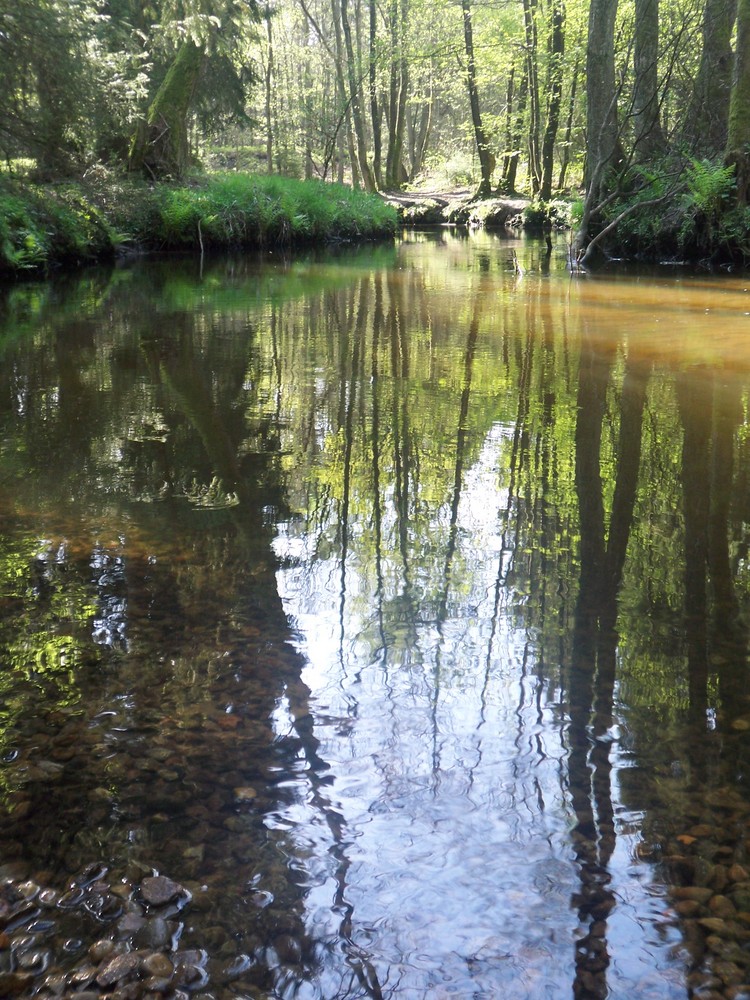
374,623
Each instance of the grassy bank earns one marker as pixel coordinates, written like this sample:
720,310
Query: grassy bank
66,224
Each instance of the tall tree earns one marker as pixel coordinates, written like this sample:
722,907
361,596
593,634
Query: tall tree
738,132
372,81
603,148
532,75
486,157
48,82
554,95
398,92
160,147
206,32
355,100
515,117
706,123
649,138
268,74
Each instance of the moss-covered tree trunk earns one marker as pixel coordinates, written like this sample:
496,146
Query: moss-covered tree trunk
160,147
738,133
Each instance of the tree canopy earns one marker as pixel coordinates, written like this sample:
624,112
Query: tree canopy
624,101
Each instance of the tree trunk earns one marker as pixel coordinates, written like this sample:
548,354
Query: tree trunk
532,76
52,156
649,138
738,135
569,124
486,158
398,95
268,80
515,126
375,114
602,138
557,51
356,108
421,128
709,108
345,101
160,147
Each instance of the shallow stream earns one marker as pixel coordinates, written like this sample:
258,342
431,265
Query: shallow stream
375,624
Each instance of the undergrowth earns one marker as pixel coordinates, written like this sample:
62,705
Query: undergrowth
44,226
689,211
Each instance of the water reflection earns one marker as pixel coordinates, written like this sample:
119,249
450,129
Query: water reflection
394,604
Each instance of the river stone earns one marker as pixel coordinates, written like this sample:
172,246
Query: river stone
27,890
714,925
100,950
131,991
157,984
155,933
700,894
36,961
729,973
236,968
55,982
719,878
131,923
83,975
160,890
722,906
116,969
245,793
739,992
13,984
157,965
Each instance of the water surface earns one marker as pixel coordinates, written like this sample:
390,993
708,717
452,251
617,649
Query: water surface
394,603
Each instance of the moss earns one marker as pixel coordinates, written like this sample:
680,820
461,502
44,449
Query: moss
160,147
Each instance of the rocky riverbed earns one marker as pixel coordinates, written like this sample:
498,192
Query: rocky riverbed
105,936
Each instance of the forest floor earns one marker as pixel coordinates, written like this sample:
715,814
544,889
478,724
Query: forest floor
459,207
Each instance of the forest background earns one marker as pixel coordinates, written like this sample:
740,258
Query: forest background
636,112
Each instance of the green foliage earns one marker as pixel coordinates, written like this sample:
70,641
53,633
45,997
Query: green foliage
542,214
712,220
240,210
456,170
690,213
40,226
709,186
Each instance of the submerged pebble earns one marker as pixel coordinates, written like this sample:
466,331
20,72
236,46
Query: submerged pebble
139,958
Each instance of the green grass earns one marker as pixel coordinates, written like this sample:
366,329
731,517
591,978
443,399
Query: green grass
43,226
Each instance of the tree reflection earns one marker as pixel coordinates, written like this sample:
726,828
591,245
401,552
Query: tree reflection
171,702
594,656
408,558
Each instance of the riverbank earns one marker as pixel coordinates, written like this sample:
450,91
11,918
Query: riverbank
458,208
46,226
